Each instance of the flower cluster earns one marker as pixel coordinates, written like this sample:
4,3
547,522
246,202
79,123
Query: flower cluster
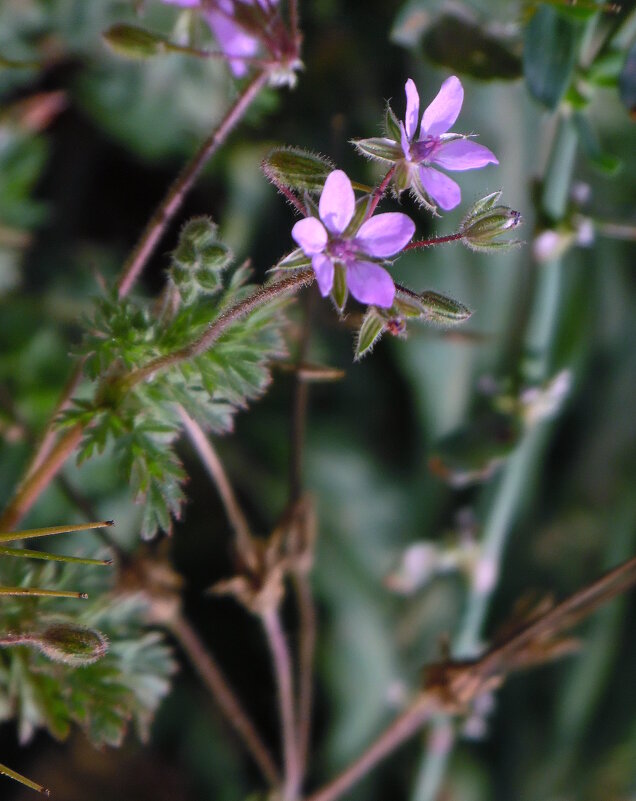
416,148
224,18
335,244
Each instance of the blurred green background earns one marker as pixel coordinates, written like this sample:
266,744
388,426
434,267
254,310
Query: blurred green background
73,197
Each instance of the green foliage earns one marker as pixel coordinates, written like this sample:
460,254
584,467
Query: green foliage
143,423
104,697
297,169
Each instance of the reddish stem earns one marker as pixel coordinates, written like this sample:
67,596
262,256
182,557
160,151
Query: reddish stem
438,240
379,192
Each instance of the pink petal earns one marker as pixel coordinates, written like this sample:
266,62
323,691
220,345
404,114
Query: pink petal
337,202
385,234
370,283
310,234
323,267
233,41
444,109
412,109
463,154
444,191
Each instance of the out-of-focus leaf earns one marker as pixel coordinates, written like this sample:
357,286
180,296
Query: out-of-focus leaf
550,49
605,162
466,48
627,81
411,22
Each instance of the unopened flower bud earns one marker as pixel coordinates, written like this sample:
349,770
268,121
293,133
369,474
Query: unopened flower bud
482,231
72,645
133,42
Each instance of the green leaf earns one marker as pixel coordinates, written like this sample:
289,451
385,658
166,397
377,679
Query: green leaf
370,332
468,49
297,169
627,81
604,162
551,45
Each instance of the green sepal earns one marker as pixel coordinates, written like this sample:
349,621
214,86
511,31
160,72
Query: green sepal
392,128
371,330
340,291
380,149
484,204
133,42
359,213
296,260
297,169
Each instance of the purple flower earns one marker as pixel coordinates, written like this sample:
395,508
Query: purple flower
232,39
332,245
434,146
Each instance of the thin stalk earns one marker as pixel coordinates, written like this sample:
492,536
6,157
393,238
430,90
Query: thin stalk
436,240
175,196
285,689
18,777
503,499
49,531
378,192
224,695
33,592
25,553
36,482
262,296
402,729
217,473
306,650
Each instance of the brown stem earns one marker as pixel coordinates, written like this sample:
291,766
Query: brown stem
402,729
260,297
284,684
307,646
439,240
224,696
38,480
171,203
215,468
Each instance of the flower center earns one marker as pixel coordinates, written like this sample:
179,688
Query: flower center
343,250
424,150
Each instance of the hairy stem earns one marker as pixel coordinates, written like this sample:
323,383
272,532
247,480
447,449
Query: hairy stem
378,192
284,685
224,696
402,729
262,296
438,240
175,196
39,479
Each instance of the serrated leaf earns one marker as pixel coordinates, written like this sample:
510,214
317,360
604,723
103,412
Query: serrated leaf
370,332
297,169
551,44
